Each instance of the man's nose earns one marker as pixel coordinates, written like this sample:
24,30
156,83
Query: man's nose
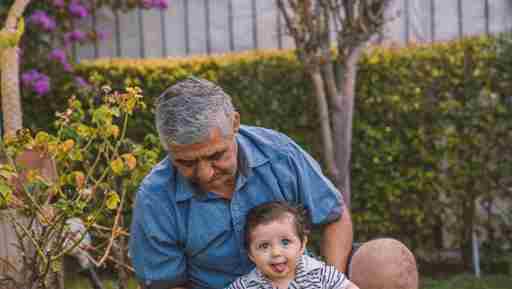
204,171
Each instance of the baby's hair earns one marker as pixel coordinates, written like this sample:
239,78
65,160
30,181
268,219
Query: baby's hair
272,211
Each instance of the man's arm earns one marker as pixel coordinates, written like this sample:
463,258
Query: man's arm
337,240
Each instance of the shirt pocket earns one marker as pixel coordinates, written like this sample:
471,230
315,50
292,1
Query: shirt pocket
211,240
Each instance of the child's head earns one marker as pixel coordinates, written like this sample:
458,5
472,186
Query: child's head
276,237
272,211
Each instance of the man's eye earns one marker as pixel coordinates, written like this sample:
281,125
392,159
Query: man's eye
285,242
186,163
216,156
263,246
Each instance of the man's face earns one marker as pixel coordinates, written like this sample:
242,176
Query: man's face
210,164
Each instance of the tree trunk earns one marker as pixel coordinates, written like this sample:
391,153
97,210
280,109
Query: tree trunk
323,116
342,114
11,99
332,92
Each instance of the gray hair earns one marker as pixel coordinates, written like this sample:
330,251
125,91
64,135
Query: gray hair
187,111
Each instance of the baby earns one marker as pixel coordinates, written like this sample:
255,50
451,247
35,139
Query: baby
275,238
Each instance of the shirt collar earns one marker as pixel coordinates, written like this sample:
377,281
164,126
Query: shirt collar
305,265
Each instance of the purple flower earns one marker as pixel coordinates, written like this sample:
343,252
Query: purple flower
28,77
67,67
78,10
161,4
58,55
80,82
147,3
38,82
42,85
40,18
74,36
58,3
102,34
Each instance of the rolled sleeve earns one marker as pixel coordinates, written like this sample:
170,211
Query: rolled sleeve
154,248
317,193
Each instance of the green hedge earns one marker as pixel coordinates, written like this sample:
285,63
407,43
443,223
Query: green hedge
412,115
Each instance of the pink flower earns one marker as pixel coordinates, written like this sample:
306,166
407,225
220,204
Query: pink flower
80,82
58,3
74,36
161,4
41,19
102,34
38,82
28,77
78,10
42,85
58,55
147,3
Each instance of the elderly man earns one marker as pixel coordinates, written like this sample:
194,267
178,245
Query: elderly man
190,210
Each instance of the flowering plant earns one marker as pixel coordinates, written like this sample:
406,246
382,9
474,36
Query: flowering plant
91,169
53,28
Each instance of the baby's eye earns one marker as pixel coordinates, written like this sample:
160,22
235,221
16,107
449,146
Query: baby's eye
285,242
263,246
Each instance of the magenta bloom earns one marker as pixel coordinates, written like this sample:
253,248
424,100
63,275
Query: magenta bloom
161,4
58,55
42,85
28,77
147,3
80,82
36,81
78,10
41,19
74,36
58,3
102,34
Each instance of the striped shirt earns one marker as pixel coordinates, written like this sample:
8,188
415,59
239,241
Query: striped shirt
310,274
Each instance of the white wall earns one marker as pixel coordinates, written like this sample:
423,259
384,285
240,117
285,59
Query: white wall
215,26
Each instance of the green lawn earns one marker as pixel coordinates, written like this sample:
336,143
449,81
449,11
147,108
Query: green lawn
75,281
466,281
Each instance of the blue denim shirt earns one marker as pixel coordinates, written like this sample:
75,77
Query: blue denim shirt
179,237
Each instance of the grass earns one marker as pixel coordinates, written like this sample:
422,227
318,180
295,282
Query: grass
462,281
466,281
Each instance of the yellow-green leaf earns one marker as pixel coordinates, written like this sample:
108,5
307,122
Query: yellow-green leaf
117,166
113,200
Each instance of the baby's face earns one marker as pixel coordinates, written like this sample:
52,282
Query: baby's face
275,249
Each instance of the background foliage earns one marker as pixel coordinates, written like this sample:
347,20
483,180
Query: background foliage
431,129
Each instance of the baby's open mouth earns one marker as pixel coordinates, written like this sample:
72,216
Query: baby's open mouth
279,267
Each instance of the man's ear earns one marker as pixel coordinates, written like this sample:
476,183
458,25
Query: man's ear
304,243
236,122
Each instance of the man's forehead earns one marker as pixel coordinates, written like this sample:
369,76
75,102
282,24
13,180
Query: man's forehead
213,144
200,150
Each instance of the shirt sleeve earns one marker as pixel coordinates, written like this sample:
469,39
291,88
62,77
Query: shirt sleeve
158,260
334,279
317,193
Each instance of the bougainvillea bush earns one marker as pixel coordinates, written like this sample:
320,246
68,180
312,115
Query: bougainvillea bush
53,28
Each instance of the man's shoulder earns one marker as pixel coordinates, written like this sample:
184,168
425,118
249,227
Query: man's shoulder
264,136
158,180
